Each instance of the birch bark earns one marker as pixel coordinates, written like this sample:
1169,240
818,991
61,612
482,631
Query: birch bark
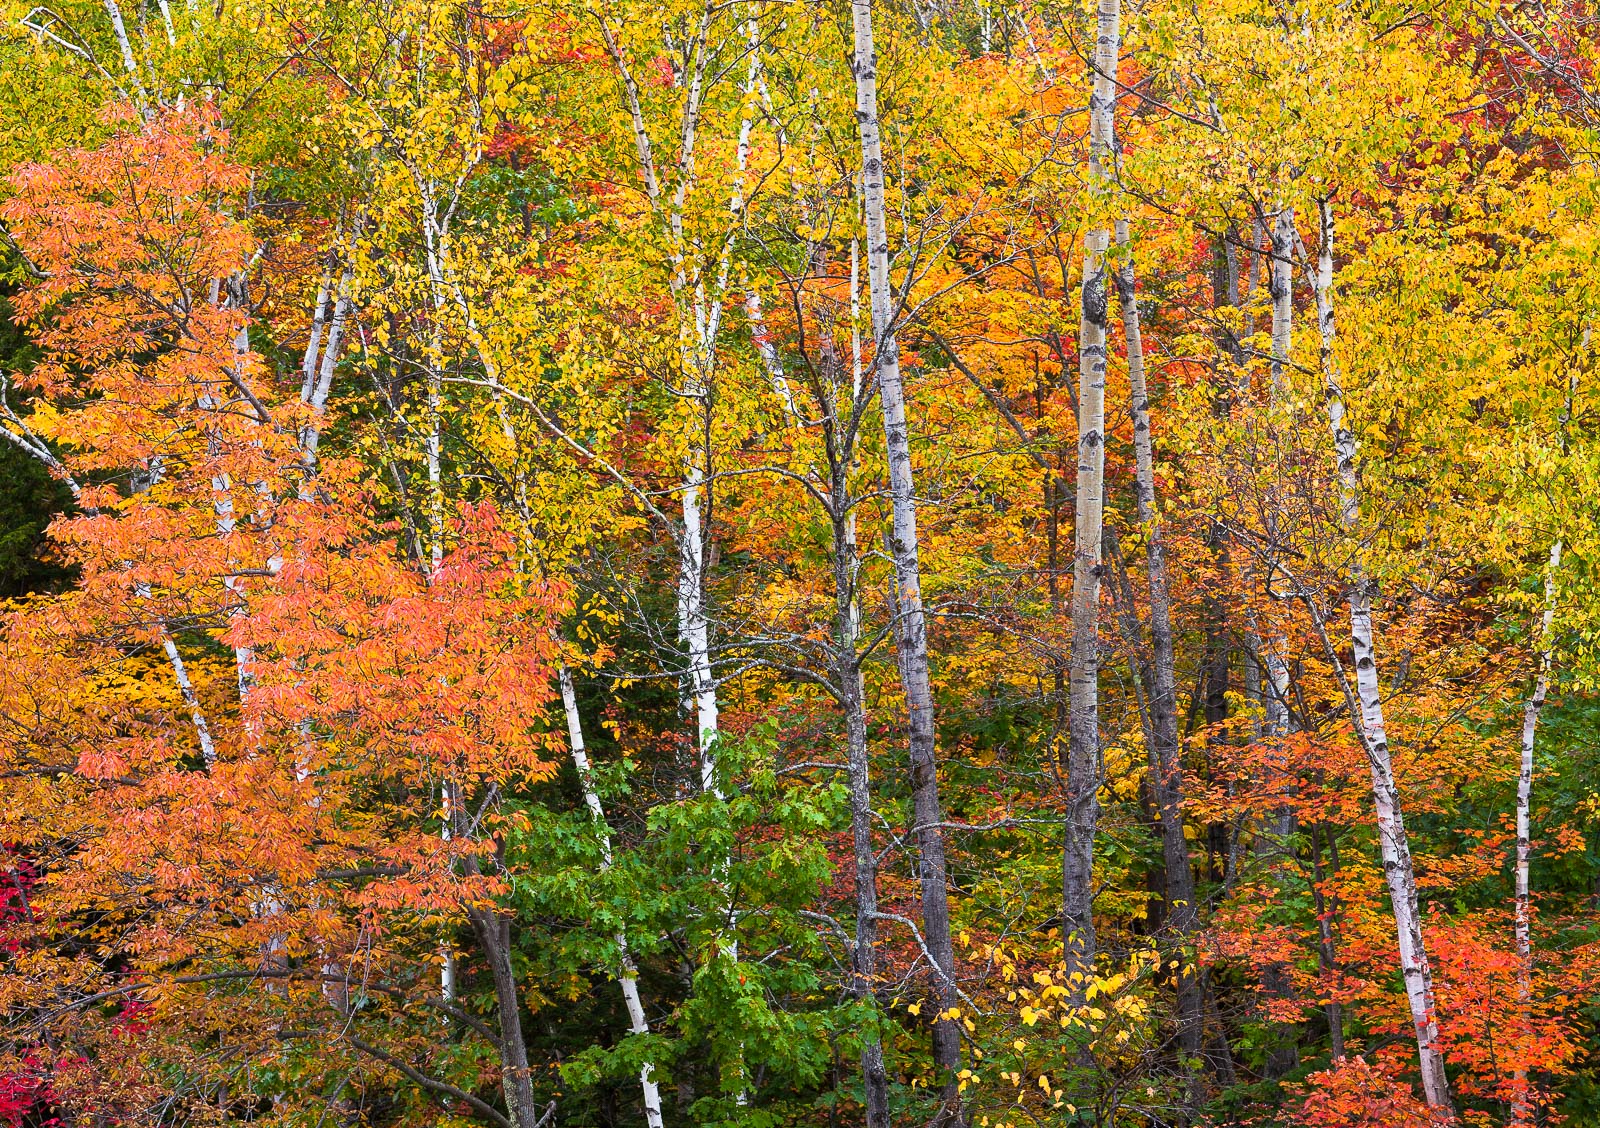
433,443
911,635
1393,841
447,955
1284,1054
319,317
1083,764
319,383
1281,289
191,700
1530,724
699,312
637,1021
166,20
755,84
630,971
1522,914
699,315
234,296
434,238
120,28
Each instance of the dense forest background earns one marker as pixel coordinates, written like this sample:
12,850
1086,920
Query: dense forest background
782,562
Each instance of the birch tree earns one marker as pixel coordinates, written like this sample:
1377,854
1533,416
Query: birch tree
1544,660
1393,841
629,978
911,628
1083,767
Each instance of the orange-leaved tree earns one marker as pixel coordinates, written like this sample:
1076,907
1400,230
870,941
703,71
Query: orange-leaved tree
261,754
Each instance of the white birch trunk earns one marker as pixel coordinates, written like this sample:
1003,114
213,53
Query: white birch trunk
857,382
223,505
320,383
166,20
1083,677
1281,290
1393,842
840,441
695,630
849,676
120,28
630,971
910,619
432,237
202,730
221,487
319,317
699,353
1523,912
1522,1105
433,442
447,956
699,321
580,757
1530,724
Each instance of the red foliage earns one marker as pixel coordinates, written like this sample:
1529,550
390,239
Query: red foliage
1356,1094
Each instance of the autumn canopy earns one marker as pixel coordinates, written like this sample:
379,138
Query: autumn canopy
767,563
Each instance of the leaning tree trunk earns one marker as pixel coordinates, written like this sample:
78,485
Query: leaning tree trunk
911,634
1163,706
1530,724
1393,841
630,971
1083,761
